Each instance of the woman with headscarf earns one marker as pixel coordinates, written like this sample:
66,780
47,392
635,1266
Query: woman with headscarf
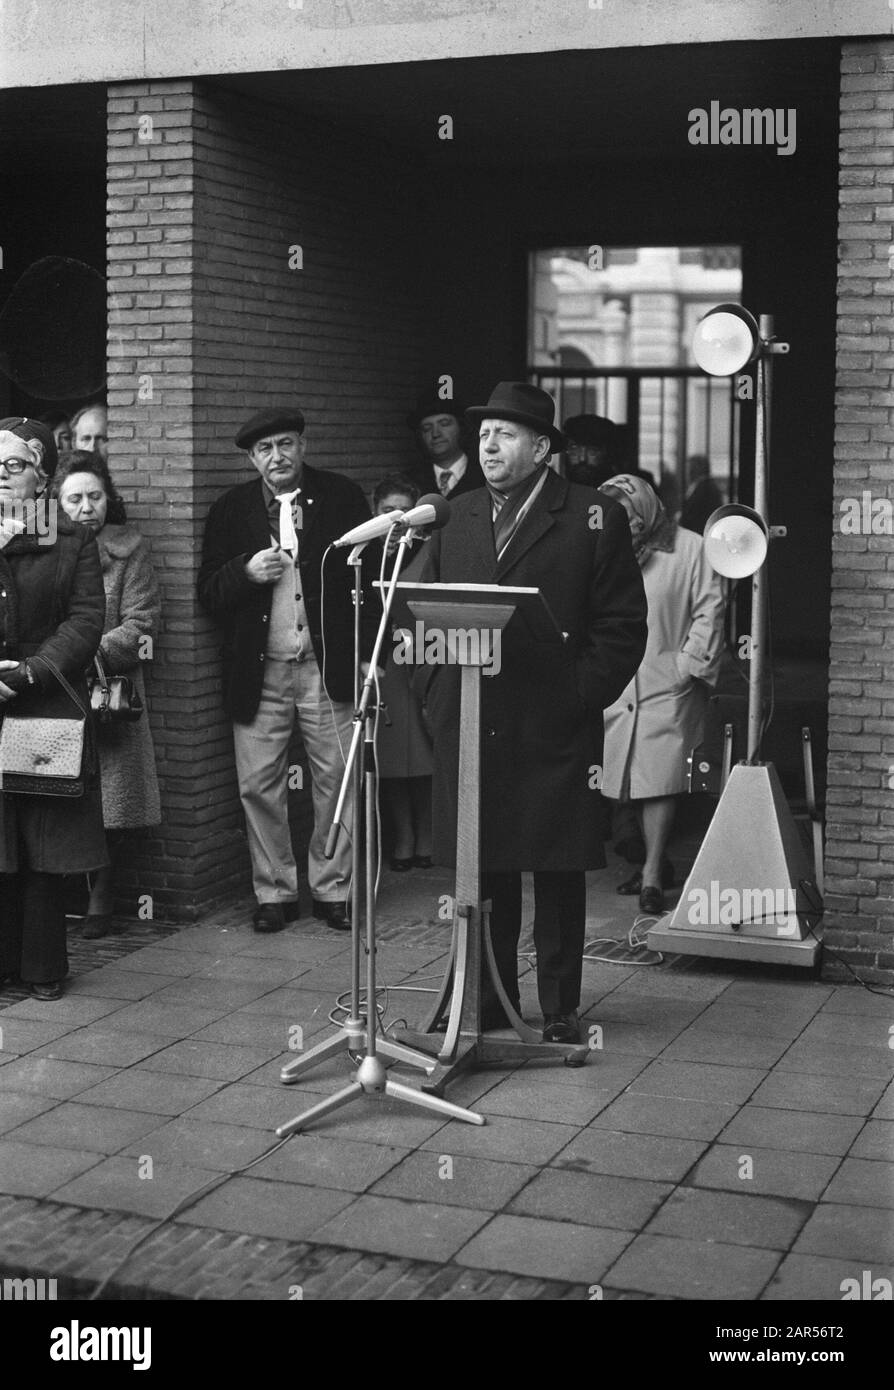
52,607
660,717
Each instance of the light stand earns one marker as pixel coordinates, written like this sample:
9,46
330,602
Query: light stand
752,889
355,1035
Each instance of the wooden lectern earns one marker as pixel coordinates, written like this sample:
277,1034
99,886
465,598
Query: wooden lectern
463,618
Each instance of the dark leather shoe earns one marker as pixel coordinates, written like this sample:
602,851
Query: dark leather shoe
335,915
291,911
51,990
422,861
493,1017
269,917
401,866
651,899
561,1028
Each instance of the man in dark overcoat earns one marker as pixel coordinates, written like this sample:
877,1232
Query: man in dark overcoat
542,712
287,653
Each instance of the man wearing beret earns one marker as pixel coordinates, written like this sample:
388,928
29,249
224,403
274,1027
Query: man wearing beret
445,467
541,738
287,654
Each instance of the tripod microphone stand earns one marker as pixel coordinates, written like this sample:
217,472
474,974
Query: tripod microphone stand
356,1035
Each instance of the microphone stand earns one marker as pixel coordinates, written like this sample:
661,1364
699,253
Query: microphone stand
355,1035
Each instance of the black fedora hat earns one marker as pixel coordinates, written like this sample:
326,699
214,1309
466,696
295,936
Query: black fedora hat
431,404
524,404
597,431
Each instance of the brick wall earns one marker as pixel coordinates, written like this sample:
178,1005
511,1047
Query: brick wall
208,323
860,803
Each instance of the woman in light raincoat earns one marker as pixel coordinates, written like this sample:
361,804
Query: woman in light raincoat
651,729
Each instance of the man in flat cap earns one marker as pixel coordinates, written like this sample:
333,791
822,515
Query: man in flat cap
444,467
287,653
541,714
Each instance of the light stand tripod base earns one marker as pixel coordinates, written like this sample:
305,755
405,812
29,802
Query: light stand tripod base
749,894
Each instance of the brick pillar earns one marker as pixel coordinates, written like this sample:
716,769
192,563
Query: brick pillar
151,285
860,799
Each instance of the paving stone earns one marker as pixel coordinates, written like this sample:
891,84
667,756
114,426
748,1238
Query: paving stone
315,1159
630,1155
87,1127
207,994
852,1030
297,945
533,1098
746,1021
267,1032
48,1076
18,1106
297,1005
104,1046
274,971
591,1199
770,1128
215,940
698,1081
256,1207
813,1278
159,1093
671,1116
866,1182
158,960
659,983
876,1140
673,1268
884,1110
222,1061
418,1230
202,1144
832,1059
853,999
503,1138
32,1171
548,1249
828,1095
112,983
72,1010
777,1172
466,1182
730,1218
166,1020
21,1035
115,1184
700,1044
848,1232
780,994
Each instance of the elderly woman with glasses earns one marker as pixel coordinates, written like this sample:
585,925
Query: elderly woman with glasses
52,608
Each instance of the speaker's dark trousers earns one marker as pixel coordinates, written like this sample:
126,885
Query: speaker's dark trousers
560,911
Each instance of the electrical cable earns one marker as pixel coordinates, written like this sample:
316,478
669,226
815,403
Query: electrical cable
183,1205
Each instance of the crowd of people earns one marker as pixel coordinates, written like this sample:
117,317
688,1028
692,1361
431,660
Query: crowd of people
641,611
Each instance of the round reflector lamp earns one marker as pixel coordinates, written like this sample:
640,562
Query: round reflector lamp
735,541
726,340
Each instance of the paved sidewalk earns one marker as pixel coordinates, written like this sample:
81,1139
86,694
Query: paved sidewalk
731,1138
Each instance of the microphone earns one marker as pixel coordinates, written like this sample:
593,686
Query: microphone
370,530
431,510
